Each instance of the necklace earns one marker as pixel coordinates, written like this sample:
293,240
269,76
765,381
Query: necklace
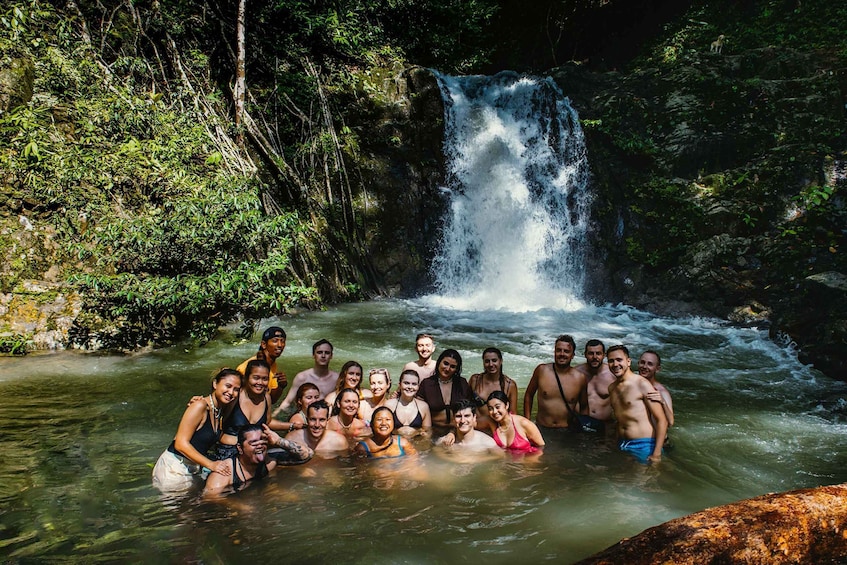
347,427
215,410
390,443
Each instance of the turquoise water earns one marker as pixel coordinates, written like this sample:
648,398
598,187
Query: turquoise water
81,432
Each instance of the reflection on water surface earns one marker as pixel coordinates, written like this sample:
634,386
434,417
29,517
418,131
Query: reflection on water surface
81,433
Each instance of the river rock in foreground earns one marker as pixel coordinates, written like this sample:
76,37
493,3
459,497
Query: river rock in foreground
802,526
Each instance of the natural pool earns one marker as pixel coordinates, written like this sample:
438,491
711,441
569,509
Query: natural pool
81,431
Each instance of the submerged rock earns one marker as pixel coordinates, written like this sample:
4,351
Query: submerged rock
800,527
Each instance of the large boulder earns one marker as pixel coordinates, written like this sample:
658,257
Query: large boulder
799,527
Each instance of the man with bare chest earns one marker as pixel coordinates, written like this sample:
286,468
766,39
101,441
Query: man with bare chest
599,378
642,426
320,374
562,389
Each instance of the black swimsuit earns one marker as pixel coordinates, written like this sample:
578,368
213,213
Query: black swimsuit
237,483
202,440
417,421
238,420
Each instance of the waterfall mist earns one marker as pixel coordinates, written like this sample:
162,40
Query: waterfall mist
517,183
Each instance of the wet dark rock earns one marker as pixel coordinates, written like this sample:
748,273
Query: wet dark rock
16,80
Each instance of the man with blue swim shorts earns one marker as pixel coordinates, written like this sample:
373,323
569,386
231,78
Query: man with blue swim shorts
642,425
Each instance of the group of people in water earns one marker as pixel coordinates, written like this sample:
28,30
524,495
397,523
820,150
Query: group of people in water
234,436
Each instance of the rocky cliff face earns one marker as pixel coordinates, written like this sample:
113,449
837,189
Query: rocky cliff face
720,182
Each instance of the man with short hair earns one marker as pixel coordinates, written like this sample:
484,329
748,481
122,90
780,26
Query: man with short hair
270,348
251,462
598,377
466,434
315,436
648,365
425,364
320,374
562,389
642,426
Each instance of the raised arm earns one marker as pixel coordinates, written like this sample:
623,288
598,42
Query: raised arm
292,393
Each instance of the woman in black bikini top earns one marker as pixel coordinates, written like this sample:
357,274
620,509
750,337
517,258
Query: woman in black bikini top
411,414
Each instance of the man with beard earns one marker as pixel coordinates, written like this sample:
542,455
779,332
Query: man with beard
642,426
315,436
251,462
599,378
562,390
270,348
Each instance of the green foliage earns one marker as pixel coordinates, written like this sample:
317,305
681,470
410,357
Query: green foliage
14,344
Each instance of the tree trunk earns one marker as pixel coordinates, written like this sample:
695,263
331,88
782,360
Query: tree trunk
240,83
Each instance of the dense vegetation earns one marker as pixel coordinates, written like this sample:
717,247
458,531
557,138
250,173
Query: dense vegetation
169,220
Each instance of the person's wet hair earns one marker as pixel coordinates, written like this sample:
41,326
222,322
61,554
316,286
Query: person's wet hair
248,370
410,372
499,355
227,372
336,406
342,375
318,405
594,343
618,348
499,395
377,411
658,359
319,343
567,338
463,404
452,354
242,433
303,389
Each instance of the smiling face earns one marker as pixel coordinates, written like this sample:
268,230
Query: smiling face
447,368
227,389
353,377
465,420
497,409
349,404
379,384
257,382
563,354
648,366
382,423
594,356
425,348
409,384
492,363
618,362
316,422
309,395
273,348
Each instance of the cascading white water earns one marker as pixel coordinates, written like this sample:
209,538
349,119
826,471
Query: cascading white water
517,178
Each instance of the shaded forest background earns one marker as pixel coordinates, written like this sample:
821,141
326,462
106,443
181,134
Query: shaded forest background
134,211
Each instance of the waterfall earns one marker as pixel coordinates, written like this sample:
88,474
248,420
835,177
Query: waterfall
517,175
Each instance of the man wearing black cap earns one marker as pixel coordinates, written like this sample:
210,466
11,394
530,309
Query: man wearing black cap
271,347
